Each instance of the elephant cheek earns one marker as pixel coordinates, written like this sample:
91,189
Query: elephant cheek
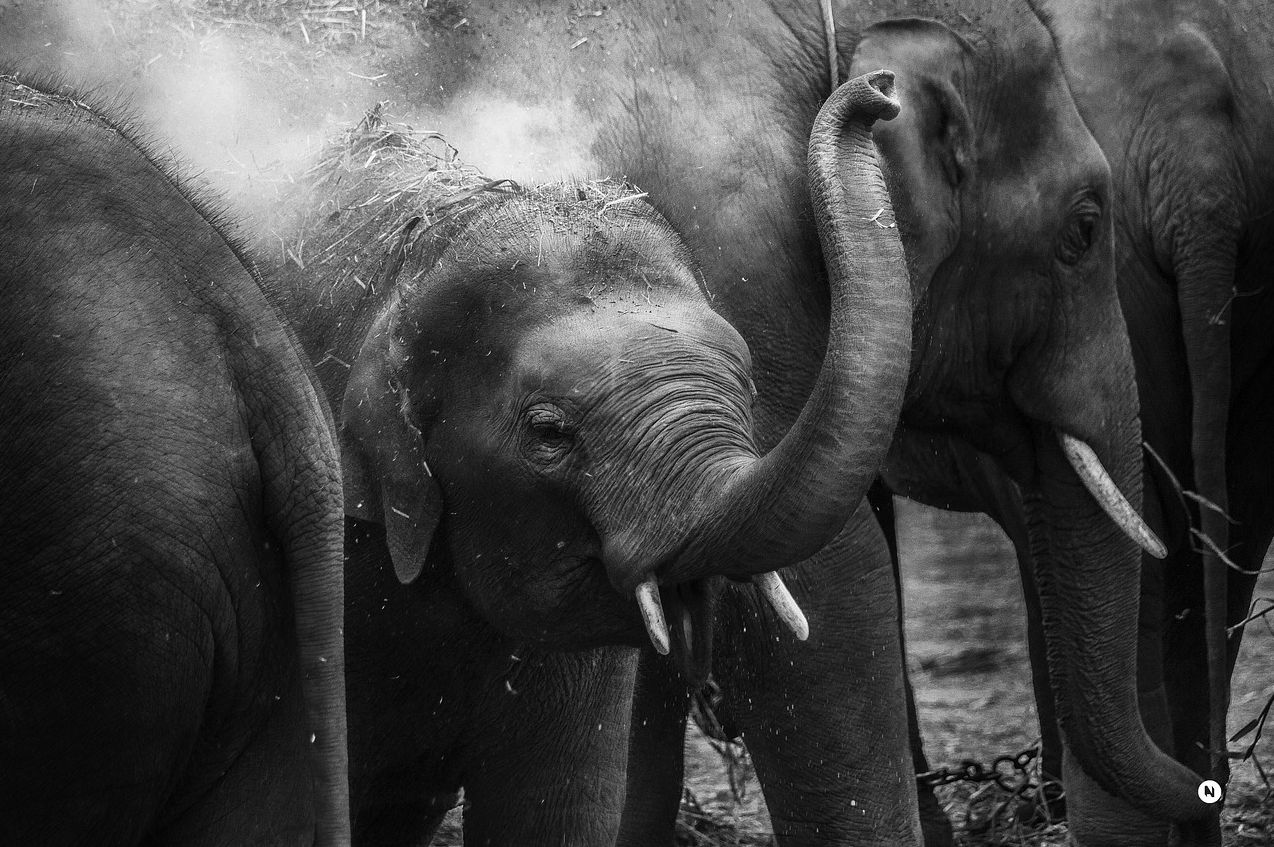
563,604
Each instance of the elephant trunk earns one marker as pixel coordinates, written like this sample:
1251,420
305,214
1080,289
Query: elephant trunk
1088,571
785,506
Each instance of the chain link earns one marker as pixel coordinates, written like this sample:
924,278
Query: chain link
1011,772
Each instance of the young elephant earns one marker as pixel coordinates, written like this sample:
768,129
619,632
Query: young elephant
171,662
543,420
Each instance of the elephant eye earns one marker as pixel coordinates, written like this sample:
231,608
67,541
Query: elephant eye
1080,231
548,435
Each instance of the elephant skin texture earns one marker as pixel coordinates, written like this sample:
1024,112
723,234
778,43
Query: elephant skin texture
1004,203
1177,95
542,411
171,658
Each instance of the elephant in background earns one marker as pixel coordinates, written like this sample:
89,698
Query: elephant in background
1177,94
548,449
1004,201
1019,347
171,658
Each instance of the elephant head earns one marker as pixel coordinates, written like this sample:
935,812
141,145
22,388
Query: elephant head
550,409
1003,199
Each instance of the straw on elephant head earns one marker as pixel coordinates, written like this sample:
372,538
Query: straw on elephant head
381,177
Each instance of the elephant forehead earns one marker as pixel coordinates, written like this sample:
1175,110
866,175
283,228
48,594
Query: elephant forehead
1035,129
588,352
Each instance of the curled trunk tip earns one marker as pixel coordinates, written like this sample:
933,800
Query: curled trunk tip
870,95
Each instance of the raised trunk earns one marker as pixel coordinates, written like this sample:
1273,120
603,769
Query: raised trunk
787,505
1088,574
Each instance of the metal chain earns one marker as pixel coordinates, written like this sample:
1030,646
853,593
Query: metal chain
1010,772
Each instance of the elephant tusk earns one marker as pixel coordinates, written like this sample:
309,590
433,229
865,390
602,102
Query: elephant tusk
783,603
652,614
1107,494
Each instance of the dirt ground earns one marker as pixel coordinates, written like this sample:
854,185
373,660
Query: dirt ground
966,631
246,89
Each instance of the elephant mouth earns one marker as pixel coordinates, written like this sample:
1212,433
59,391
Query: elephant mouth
679,617
690,610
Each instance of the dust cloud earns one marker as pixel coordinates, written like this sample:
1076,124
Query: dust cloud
247,92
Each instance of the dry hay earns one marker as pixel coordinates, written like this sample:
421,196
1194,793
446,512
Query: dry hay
328,23
368,184
382,180
987,815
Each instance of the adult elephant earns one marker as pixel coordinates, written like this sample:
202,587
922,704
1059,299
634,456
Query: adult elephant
171,662
1004,201
1177,94
548,446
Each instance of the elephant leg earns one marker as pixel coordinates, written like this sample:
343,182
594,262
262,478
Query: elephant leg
1045,705
402,807
1251,504
104,685
1186,660
1041,682
406,823
826,721
547,760
1186,665
934,822
400,791
656,754
266,794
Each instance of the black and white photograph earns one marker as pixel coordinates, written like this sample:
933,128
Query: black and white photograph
636,423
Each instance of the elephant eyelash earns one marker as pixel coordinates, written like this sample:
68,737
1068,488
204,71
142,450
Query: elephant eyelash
549,435
550,432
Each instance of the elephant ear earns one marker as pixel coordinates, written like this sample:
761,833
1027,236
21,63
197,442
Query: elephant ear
382,452
929,147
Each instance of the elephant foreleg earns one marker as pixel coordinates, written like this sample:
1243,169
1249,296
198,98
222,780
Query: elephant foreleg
656,754
549,765
933,820
1042,686
826,721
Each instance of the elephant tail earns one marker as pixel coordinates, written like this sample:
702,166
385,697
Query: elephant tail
292,434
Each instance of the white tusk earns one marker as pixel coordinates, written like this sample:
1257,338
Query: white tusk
783,603
1108,496
652,614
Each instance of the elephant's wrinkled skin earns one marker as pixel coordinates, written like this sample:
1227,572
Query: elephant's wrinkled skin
171,663
1177,94
541,411
1017,329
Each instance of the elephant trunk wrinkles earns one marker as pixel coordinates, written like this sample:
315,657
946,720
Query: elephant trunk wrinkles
786,506
645,511
1088,574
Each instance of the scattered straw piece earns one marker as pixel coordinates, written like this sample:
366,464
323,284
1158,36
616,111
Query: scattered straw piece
383,184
